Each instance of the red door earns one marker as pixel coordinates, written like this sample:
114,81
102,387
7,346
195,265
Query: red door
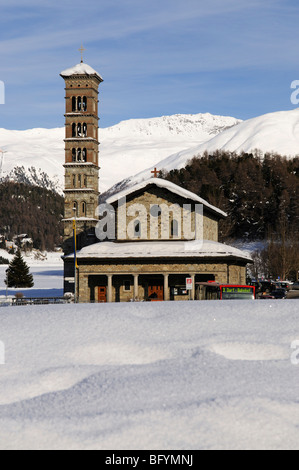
102,294
155,293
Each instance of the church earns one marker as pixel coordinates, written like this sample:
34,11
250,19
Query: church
145,243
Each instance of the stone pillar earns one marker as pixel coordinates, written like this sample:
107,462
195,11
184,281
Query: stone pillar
136,277
193,287
83,292
109,288
166,287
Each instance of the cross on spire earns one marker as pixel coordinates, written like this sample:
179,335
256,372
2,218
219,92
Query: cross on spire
156,172
82,50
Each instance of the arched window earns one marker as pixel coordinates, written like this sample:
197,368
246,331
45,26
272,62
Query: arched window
79,155
84,155
79,181
74,130
84,129
137,229
75,209
79,103
84,103
73,155
74,104
79,129
83,209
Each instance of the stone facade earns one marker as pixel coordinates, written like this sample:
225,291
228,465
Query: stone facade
81,157
155,210
151,212
126,281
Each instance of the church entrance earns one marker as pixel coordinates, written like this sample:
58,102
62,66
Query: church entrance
155,293
102,294
98,286
153,285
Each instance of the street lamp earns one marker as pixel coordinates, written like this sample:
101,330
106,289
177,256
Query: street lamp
75,251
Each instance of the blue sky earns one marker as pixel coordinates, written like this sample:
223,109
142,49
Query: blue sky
227,57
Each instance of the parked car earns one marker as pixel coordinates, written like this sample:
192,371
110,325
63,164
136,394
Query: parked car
267,286
266,296
279,294
282,285
295,286
285,285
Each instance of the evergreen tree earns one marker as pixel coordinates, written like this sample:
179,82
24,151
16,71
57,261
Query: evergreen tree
255,192
31,210
18,275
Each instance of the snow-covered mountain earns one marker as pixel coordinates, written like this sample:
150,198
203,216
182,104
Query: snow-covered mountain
131,149
275,132
126,148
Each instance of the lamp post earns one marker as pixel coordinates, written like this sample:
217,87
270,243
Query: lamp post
75,251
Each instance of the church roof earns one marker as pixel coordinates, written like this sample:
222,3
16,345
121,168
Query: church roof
81,69
162,249
161,183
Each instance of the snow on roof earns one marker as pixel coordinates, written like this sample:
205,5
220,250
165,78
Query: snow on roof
80,69
161,183
161,249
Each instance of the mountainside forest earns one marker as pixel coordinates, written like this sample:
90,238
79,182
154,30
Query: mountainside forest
32,210
260,195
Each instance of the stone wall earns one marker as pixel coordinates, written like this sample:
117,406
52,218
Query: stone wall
154,226
234,273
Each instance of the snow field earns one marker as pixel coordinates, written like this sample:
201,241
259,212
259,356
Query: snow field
185,375
48,278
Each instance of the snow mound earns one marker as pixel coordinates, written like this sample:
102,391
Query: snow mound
117,354
45,381
249,351
170,375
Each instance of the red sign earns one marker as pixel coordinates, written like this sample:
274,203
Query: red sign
189,283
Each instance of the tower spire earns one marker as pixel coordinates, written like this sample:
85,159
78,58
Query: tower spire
82,50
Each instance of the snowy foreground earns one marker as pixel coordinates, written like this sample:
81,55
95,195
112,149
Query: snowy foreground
185,375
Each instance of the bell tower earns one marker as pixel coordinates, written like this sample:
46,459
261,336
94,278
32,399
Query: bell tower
81,154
